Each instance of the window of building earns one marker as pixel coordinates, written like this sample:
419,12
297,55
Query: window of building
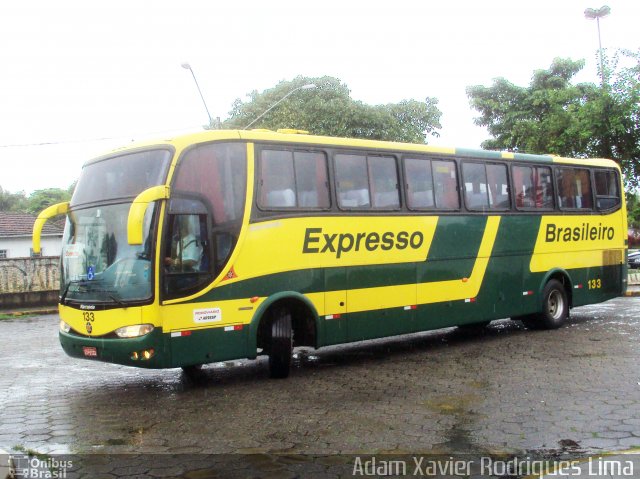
4,253
533,187
574,188
607,189
366,181
485,186
293,179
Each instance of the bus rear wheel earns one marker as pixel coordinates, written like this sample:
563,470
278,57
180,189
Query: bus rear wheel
280,344
555,308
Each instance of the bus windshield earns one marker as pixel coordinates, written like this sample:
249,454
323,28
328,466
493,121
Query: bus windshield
98,264
123,176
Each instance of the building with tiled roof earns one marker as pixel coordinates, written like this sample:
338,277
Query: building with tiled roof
16,230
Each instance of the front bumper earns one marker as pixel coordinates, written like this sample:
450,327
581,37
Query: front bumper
120,351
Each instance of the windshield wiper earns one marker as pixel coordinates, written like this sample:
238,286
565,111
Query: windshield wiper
117,301
66,288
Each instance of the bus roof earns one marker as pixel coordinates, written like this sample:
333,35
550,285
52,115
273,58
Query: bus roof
301,137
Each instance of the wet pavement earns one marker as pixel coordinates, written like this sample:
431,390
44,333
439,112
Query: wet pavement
507,391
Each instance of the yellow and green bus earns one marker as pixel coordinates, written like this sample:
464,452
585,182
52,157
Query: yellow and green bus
223,245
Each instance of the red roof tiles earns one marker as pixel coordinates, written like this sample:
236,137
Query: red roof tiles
21,224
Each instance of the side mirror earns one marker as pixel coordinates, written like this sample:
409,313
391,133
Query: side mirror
50,212
139,208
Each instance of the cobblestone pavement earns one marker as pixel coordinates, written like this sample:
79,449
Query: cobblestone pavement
508,390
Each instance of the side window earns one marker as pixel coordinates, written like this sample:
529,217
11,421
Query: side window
445,183
607,189
419,183
474,178
216,172
208,203
498,186
351,178
363,182
188,237
187,253
485,186
384,182
291,179
574,188
532,187
277,181
312,185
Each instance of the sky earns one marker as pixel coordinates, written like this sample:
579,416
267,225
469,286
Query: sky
80,78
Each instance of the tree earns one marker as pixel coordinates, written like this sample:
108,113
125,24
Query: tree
538,119
328,109
552,115
13,202
41,199
633,209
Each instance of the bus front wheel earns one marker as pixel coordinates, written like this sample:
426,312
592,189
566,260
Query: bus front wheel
555,308
280,344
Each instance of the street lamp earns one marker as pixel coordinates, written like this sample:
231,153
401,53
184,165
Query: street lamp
186,66
591,13
308,86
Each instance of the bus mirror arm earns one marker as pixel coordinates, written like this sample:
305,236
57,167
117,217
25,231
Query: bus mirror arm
138,210
50,212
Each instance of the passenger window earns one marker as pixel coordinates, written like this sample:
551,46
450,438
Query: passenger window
312,186
291,179
352,181
498,186
475,186
607,189
366,181
277,181
574,188
532,187
445,184
419,183
384,182
485,186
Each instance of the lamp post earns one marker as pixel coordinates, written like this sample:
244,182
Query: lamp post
186,66
592,13
308,86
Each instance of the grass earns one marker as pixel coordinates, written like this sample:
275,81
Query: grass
16,314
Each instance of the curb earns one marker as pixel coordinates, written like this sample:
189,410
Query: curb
30,312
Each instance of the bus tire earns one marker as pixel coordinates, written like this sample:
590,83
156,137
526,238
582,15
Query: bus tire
555,308
280,344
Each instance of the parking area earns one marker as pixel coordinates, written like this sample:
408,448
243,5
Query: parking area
508,391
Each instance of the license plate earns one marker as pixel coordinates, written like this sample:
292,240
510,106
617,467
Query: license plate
90,351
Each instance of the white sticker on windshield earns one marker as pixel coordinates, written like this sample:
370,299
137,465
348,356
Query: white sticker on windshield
208,315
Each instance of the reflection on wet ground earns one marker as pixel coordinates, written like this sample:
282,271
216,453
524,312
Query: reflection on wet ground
505,391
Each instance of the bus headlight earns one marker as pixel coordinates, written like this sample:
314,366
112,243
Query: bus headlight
64,327
134,331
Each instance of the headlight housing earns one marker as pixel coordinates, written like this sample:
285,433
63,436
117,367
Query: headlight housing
134,331
64,327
